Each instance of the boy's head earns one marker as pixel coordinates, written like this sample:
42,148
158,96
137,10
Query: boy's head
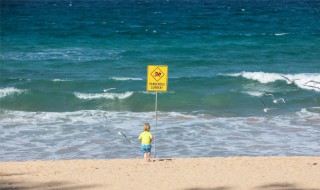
146,127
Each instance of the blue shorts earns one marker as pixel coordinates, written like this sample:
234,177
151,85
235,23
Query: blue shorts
145,148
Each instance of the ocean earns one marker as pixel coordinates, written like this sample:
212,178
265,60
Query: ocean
73,77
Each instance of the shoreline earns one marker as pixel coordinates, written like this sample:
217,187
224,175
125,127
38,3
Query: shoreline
214,173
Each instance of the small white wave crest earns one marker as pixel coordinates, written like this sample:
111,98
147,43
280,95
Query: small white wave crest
281,34
310,81
254,93
125,78
10,91
258,76
60,80
112,96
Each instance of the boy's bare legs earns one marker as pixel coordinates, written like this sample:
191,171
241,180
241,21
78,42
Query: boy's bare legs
145,156
148,156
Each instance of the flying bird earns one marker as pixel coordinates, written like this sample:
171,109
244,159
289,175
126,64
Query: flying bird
106,90
121,133
289,81
314,82
312,86
274,100
266,109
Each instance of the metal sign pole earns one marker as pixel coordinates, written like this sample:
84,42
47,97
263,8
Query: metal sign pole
157,81
155,129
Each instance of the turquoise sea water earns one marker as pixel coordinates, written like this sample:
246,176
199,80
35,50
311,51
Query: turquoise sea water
73,74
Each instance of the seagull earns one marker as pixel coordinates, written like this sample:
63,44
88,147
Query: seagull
289,81
314,82
106,90
104,115
312,86
274,100
266,109
121,133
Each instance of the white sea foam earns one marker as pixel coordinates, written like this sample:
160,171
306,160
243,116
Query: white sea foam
125,78
88,134
254,93
60,80
258,76
150,92
281,34
299,79
111,96
146,92
10,91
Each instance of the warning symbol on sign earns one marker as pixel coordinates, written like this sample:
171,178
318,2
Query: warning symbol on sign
157,78
157,74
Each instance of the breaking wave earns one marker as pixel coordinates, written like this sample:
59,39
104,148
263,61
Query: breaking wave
112,96
308,81
10,91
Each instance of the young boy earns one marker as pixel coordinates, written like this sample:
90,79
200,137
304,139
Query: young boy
146,138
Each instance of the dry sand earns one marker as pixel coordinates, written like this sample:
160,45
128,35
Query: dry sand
230,173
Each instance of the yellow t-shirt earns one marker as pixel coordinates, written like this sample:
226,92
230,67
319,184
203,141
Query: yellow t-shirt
145,137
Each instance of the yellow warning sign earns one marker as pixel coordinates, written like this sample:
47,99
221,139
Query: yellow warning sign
157,78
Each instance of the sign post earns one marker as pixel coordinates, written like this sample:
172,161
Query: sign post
157,81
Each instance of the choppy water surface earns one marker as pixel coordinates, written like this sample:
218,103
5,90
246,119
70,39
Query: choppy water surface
73,74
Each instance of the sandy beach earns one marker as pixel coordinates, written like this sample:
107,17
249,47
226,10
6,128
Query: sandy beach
229,173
